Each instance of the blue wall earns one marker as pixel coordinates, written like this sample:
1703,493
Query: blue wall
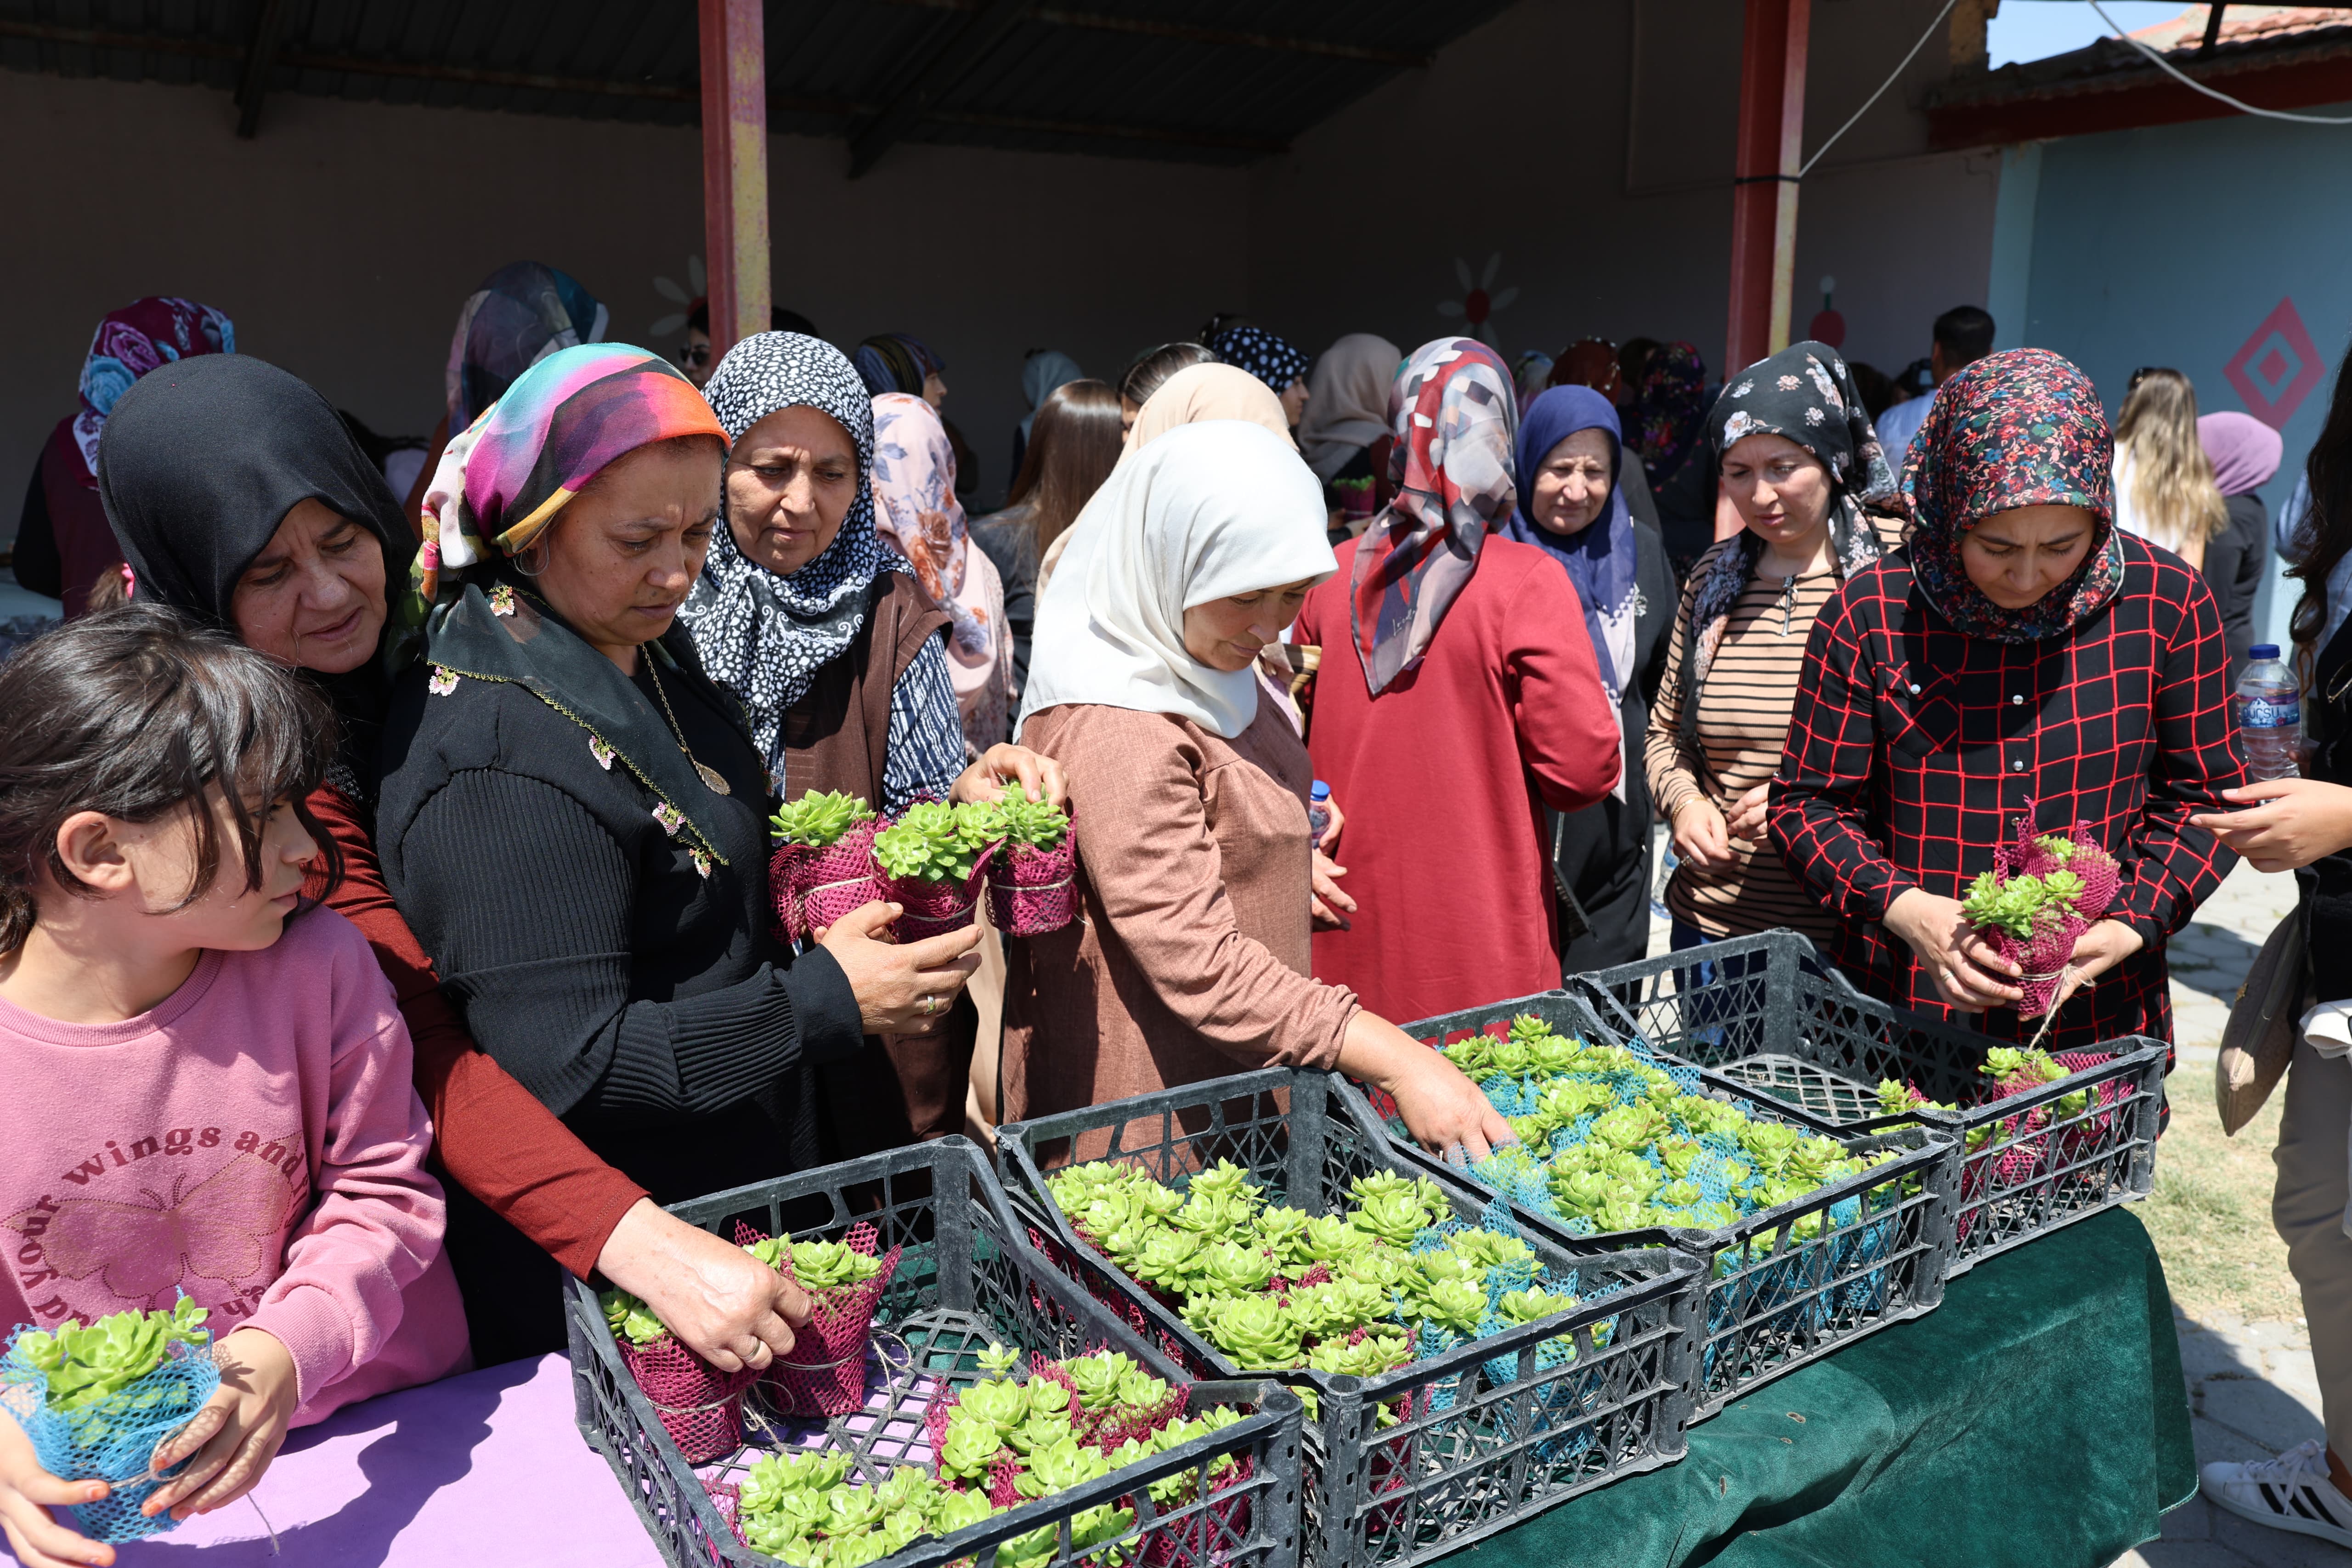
2170,245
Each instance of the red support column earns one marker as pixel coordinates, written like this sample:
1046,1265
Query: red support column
735,168
1764,190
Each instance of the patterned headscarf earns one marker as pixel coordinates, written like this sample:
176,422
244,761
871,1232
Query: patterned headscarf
1531,372
1666,409
761,635
1456,415
504,479
894,362
1806,394
2019,429
1262,355
522,312
129,343
915,508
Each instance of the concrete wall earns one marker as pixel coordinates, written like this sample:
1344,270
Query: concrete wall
1590,144
2173,245
342,240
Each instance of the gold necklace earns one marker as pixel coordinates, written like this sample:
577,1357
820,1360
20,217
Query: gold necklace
711,776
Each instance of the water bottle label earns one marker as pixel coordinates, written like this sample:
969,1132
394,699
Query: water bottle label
2263,714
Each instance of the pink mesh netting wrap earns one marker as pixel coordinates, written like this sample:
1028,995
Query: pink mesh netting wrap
698,1405
825,1373
935,908
2022,1157
2044,955
1032,891
815,887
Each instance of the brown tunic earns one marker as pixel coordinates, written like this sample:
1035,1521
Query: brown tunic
835,738
1190,958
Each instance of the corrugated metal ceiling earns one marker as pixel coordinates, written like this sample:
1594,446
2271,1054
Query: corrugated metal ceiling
1199,80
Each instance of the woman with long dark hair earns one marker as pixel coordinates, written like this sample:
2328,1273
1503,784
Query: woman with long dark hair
2306,825
1074,441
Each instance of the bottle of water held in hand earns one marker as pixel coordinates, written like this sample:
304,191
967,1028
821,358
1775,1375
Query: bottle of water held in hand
1318,812
2269,714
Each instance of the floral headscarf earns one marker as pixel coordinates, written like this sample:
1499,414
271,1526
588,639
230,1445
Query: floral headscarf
504,479
762,635
1805,394
1455,411
1666,412
522,312
915,508
129,343
1262,355
2023,427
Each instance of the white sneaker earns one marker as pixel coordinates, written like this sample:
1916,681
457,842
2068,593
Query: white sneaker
2291,1492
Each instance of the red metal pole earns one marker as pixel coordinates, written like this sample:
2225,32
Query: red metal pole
1764,188
735,168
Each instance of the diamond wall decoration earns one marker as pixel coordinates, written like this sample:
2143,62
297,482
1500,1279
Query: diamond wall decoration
2274,370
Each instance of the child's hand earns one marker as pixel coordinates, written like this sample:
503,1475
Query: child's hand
27,1492
235,1435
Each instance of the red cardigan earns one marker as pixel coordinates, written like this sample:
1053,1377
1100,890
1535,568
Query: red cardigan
1443,779
490,1135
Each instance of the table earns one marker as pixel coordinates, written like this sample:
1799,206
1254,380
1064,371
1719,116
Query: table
2036,1418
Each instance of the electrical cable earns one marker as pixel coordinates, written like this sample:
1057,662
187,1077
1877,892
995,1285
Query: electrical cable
2187,81
1883,86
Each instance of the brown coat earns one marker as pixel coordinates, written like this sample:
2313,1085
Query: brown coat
1191,960
835,738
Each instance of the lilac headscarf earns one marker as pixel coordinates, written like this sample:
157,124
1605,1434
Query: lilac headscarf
2244,451
1600,559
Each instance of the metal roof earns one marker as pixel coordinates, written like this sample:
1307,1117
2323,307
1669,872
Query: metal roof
1218,81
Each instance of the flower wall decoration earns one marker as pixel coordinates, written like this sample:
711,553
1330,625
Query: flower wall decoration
1480,301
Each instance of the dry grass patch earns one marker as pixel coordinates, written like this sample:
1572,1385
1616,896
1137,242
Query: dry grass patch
2210,1211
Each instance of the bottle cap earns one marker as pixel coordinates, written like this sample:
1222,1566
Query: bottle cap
1323,791
2263,650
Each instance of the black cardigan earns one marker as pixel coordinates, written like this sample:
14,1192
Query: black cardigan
647,1003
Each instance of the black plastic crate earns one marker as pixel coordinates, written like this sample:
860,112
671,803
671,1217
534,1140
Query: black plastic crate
965,1278
1487,1437
1806,1036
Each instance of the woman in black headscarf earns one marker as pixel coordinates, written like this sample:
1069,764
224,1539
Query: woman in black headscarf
240,498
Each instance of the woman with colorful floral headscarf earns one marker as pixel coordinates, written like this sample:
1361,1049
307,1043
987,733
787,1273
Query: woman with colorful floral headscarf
1666,423
1796,455
1458,696
915,508
2024,664
63,544
575,823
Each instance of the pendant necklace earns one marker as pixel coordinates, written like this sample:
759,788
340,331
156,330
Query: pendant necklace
709,775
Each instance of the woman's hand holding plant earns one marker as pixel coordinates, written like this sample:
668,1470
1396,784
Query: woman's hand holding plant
235,1435
1968,973
2296,822
725,1305
1700,834
2096,951
27,1492
901,988
1040,775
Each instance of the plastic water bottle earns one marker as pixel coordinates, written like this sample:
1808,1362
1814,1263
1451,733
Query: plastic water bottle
2269,714
1319,812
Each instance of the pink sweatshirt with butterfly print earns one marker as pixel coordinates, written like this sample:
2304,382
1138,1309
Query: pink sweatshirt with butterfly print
254,1141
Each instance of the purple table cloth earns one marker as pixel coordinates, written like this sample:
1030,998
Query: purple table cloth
486,1467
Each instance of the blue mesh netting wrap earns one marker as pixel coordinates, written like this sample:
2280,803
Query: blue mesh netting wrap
112,1439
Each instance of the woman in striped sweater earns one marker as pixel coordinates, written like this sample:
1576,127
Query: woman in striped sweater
1798,457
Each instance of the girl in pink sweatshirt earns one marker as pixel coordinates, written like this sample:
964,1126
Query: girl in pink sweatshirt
211,1075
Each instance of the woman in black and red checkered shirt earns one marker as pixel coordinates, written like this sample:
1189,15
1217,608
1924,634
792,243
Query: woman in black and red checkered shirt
2022,658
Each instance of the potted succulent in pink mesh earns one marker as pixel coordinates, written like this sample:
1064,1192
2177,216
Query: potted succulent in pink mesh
2044,892
698,1405
930,860
823,866
1032,885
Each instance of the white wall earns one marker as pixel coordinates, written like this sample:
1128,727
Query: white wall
342,240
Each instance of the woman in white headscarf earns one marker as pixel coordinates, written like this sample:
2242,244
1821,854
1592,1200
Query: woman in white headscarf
1188,798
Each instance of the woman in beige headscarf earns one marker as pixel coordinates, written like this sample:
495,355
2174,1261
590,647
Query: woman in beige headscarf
1345,437
1188,398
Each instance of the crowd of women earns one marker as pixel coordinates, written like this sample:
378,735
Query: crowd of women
394,869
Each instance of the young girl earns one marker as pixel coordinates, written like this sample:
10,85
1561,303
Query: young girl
223,1076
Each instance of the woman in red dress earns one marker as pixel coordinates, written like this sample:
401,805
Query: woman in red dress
1458,697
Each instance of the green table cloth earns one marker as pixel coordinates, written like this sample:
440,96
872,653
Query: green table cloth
2038,1418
